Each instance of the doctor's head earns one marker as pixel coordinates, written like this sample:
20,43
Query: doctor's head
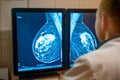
108,19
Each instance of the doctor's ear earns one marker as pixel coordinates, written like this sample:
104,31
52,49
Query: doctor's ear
105,23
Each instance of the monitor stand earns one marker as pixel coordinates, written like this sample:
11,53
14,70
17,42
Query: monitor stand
39,76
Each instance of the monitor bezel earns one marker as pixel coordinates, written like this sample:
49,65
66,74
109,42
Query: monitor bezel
14,35
75,10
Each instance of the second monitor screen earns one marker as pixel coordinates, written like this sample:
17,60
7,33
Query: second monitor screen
82,33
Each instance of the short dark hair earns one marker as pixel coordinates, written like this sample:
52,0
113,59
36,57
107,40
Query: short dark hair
111,8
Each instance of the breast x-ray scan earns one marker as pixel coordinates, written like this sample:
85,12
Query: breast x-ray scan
48,38
82,34
39,39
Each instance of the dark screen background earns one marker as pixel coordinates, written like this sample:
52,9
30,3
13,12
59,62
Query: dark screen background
89,20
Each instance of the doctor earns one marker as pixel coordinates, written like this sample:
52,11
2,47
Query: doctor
104,62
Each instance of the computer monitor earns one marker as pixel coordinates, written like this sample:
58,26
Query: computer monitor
81,23
38,40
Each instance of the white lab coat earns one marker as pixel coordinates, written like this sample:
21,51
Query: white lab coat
101,64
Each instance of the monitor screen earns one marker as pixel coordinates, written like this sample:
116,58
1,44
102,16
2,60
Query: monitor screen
38,40
82,32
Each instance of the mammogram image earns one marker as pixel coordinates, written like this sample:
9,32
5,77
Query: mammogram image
47,43
82,40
